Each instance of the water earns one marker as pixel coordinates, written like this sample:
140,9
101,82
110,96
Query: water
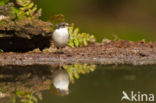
100,85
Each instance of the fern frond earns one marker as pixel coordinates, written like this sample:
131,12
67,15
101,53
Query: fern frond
28,9
79,39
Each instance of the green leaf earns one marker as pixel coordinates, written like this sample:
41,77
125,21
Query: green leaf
33,10
75,70
30,6
71,44
27,9
76,41
76,31
3,2
70,30
85,41
77,76
1,50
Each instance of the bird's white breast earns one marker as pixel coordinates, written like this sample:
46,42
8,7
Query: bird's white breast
61,80
61,37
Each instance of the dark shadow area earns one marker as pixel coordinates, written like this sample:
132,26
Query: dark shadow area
16,44
25,73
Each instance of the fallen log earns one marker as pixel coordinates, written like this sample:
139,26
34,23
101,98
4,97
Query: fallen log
22,35
114,52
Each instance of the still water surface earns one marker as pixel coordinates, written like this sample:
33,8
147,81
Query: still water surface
101,85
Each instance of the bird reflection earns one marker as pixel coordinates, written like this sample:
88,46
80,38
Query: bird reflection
60,82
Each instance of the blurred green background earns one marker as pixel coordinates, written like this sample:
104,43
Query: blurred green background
128,19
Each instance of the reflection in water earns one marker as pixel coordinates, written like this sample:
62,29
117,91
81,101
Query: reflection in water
64,75
61,81
29,83
27,97
76,69
24,84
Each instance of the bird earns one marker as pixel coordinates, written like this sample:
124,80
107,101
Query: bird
61,81
61,35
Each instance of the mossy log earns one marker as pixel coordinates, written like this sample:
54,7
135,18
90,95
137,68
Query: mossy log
22,35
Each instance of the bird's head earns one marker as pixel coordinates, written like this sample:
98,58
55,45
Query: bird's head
62,25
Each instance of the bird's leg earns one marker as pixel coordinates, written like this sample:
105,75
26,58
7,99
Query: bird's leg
59,50
62,49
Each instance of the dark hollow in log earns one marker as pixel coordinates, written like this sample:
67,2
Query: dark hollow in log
17,44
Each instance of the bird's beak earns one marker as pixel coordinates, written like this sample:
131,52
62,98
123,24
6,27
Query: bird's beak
68,25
